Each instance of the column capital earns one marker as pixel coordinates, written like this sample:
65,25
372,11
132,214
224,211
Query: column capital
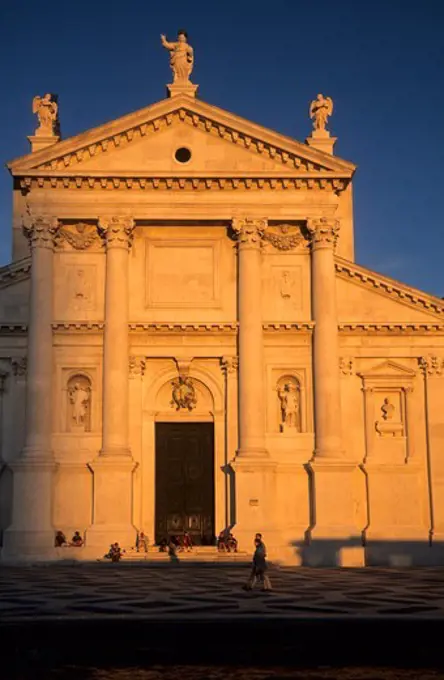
117,231
431,365
324,232
229,365
19,366
249,231
136,366
40,230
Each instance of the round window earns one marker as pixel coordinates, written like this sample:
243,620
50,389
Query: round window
182,155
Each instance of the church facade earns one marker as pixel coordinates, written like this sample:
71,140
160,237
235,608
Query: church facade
187,344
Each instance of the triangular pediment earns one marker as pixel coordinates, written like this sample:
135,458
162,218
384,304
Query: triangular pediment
367,296
144,142
388,369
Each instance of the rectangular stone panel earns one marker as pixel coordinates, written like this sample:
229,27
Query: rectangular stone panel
182,274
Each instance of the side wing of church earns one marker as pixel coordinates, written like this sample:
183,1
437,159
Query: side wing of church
188,345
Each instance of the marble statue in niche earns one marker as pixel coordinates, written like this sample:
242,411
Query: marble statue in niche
79,406
289,395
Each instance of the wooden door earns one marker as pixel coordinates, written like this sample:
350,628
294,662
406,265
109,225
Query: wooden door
185,481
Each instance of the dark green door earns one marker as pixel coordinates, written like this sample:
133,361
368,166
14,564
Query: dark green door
185,481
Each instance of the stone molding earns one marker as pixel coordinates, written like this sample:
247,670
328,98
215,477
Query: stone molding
165,183
307,326
40,230
431,365
79,326
270,326
324,232
15,272
249,231
362,328
117,231
227,328
13,328
401,293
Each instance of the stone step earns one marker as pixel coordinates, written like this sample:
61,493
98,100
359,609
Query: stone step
194,556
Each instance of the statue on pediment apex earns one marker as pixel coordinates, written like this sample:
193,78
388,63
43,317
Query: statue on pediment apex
321,109
47,110
181,56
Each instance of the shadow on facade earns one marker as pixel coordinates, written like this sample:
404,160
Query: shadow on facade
352,552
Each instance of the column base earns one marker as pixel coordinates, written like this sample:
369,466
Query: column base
31,533
255,484
28,546
113,481
338,499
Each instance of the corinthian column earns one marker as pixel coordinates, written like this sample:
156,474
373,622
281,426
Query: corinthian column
251,351
117,232
338,483
31,530
254,471
113,468
327,396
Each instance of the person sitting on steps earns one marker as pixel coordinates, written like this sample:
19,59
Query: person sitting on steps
60,540
77,540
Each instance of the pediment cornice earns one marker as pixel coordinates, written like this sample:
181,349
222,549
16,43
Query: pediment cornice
15,272
395,290
65,159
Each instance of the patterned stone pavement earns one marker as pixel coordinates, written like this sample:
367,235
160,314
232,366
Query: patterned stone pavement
134,591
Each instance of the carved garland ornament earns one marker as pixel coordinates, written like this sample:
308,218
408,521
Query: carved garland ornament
79,236
284,239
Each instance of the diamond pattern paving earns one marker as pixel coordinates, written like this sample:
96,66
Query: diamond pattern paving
199,591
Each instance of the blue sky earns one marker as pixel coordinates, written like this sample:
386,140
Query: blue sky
381,61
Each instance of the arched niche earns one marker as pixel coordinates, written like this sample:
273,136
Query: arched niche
289,404
78,406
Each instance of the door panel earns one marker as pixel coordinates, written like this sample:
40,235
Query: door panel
185,480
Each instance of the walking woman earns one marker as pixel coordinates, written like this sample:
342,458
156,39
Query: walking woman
259,569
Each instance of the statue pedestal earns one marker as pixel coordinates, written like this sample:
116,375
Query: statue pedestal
182,88
39,142
321,140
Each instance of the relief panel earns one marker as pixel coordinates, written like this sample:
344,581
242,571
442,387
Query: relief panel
182,274
285,288
79,287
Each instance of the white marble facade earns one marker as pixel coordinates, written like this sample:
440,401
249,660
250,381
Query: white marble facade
223,290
